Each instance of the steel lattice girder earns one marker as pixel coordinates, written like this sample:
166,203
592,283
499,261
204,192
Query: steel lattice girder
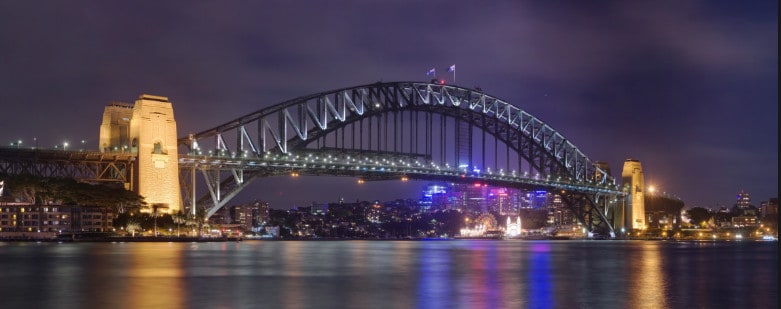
292,126
327,109
80,165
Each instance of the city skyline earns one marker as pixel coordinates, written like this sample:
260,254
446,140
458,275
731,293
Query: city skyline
689,89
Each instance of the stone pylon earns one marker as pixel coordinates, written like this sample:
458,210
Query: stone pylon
632,177
153,139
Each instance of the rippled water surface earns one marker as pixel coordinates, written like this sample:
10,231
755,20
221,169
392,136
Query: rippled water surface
390,274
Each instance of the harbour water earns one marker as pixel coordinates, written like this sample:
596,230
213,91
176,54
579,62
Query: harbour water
391,274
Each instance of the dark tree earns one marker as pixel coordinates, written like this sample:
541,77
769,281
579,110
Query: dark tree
698,215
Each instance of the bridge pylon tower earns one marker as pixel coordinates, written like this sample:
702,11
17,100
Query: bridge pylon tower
148,131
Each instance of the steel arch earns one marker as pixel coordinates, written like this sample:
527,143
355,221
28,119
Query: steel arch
292,126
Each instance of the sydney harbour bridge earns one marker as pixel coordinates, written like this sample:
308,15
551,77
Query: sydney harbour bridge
380,131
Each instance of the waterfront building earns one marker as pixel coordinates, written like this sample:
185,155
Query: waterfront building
634,211
222,216
513,229
744,221
18,219
244,216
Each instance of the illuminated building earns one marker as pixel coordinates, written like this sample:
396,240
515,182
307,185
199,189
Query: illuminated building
634,211
434,197
45,221
471,198
559,215
149,131
743,200
245,216
744,221
513,229
539,199
499,201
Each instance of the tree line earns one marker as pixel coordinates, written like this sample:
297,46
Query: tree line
67,191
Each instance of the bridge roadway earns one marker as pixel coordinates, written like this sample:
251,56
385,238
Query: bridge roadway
87,166
385,166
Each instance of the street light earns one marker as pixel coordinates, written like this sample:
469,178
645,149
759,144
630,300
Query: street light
65,145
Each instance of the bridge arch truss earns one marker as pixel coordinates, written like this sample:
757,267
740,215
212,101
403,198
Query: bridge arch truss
407,130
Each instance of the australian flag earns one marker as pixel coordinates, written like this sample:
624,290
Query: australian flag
431,72
452,68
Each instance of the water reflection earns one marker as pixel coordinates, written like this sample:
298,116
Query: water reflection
292,269
154,277
647,286
389,274
540,285
434,284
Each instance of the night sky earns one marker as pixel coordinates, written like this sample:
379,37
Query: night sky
689,88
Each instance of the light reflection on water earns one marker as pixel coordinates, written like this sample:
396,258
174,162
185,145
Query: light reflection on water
540,294
389,274
647,288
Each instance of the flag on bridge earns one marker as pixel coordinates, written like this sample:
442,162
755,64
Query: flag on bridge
452,68
431,72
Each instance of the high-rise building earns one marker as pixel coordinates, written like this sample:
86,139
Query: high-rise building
743,200
245,216
499,201
769,208
434,197
471,198
559,214
634,211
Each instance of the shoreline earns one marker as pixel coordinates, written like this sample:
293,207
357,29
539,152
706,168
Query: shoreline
239,239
